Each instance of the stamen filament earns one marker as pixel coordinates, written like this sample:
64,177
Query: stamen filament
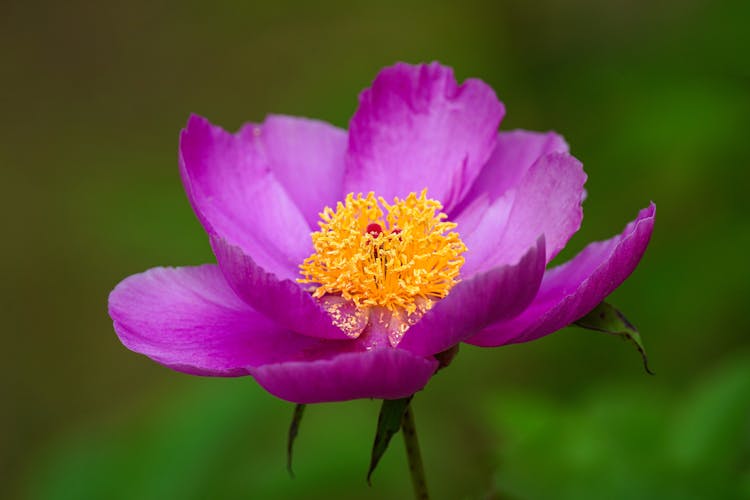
390,258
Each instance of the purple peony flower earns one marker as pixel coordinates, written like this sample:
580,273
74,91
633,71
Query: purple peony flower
429,228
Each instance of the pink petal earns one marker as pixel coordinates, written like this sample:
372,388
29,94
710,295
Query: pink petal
307,157
546,201
415,128
516,151
235,195
282,300
572,290
384,373
482,227
190,320
473,304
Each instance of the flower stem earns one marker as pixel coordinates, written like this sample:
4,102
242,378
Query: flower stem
413,455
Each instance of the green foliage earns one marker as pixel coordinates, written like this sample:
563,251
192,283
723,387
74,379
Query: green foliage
619,441
299,411
606,318
222,439
624,443
389,423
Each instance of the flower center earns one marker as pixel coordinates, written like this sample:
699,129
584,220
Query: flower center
398,256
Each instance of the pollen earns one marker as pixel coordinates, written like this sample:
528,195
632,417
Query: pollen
397,256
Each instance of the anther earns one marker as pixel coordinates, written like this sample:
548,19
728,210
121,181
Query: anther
399,260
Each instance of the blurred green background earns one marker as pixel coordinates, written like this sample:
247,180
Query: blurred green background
652,96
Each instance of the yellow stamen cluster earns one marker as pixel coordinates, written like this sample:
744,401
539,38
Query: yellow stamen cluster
414,255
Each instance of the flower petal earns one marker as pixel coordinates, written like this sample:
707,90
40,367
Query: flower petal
473,304
282,300
481,226
572,290
384,373
516,151
546,201
190,320
235,195
414,122
307,157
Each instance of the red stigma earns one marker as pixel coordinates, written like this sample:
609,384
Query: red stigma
374,229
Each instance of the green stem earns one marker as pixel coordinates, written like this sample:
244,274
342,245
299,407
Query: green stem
413,455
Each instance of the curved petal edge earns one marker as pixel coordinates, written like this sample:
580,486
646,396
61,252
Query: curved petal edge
188,319
572,290
515,152
307,158
235,194
414,121
282,300
499,293
384,373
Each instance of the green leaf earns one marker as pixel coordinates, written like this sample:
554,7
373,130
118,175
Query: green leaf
389,423
299,410
607,319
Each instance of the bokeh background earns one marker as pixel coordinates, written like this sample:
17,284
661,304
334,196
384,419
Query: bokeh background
652,96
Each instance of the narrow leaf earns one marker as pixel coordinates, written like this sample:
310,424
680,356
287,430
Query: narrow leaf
299,410
607,319
389,423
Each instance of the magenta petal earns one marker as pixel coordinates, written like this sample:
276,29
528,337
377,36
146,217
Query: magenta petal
383,373
515,152
546,201
572,290
482,227
415,128
307,157
282,300
235,195
483,215
190,320
473,304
